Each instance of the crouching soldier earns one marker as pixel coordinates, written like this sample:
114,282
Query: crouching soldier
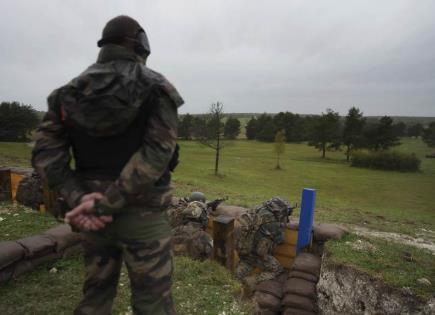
190,237
257,233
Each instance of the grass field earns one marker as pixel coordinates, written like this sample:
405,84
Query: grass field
384,200
381,200
391,201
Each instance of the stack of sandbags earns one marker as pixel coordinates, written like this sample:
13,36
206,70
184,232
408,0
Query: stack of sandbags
268,296
300,296
18,257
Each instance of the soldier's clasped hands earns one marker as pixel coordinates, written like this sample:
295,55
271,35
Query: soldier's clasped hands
82,216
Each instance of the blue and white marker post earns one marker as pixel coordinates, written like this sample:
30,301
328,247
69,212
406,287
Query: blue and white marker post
306,219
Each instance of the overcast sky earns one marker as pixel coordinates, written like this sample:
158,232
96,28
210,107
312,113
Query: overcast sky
254,56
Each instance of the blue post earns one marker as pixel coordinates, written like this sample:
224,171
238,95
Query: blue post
306,219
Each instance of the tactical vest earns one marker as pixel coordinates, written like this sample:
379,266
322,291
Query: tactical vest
103,158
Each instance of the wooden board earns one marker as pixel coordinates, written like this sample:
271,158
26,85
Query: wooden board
285,253
15,181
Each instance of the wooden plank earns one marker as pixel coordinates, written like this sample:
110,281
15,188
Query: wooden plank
15,181
285,250
291,236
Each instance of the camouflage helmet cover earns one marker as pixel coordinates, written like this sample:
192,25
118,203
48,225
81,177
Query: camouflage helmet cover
279,206
197,196
124,27
194,210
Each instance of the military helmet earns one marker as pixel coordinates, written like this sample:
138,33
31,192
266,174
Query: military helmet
279,207
197,196
124,27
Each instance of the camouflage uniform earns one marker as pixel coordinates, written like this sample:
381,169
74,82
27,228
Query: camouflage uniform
190,237
119,118
256,246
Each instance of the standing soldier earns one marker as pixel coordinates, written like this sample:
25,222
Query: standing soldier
257,233
119,119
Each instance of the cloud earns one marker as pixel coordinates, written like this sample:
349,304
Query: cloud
254,56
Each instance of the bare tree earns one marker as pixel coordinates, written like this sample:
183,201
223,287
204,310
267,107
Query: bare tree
212,134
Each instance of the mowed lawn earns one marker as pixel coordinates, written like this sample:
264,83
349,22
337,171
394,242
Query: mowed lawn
384,200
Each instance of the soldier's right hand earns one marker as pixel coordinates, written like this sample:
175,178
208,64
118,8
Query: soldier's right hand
82,217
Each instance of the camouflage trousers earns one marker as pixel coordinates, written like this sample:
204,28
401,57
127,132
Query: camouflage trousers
269,265
144,245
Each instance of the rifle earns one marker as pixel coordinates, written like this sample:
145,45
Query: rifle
215,203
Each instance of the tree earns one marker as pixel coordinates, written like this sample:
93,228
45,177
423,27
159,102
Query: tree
265,128
279,146
185,127
381,136
429,135
399,129
251,129
232,128
415,130
353,130
325,133
199,126
16,121
213,133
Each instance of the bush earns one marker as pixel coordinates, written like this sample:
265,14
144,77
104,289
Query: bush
386,160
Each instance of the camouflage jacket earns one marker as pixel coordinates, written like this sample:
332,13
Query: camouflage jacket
258,232
102,102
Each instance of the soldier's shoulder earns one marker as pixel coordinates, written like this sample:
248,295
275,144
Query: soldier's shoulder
167,87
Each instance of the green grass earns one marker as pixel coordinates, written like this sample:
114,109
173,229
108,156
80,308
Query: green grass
384,200
18,222
15,154
199,288
398,265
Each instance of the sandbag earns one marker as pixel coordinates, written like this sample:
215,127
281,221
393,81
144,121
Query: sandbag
323,232
300,287
270,287
232,211
267,312
299,302
267,301
303,275
63,236
10,252
308,263
37,246
296,311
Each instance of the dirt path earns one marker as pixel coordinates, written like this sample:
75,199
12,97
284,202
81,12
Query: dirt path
425,240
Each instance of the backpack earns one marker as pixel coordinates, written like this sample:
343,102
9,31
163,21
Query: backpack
247,225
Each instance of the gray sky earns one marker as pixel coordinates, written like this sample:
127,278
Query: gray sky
254,56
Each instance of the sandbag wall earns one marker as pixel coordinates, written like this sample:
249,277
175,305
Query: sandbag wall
23,255
295,292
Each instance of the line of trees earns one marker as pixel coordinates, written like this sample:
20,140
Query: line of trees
197,126
329,131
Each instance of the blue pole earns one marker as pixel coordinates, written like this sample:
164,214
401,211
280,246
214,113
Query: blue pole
306,219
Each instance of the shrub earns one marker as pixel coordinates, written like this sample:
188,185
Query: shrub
386,160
